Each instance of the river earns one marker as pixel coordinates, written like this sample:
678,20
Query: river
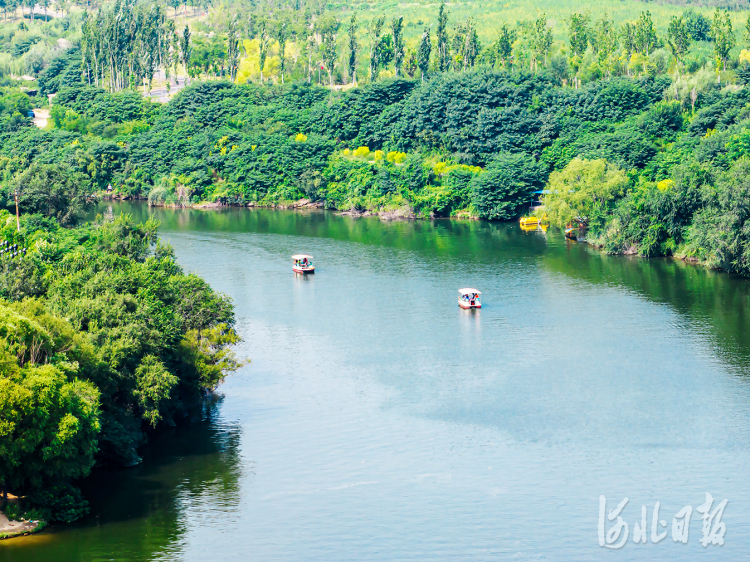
378,421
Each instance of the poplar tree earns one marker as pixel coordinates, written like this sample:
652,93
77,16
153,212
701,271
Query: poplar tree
723,36
541,41
443,62
233,49
469,44
281,37
627,36
186,50
329,46
678,38
645,35
578,34
353,48
605,42
423,55
397,29
263,44
505,45
376,30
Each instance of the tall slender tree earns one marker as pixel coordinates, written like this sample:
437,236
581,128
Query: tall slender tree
281,38
233,49
441,36
423,54
578,33
645,34
353,49
627,38
330,28
375,50
505,45
678,38
723,36
541,36
264,42
604,42
397,29
186,50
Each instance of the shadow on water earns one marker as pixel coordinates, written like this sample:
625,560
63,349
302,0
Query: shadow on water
137,513
449,238
713,302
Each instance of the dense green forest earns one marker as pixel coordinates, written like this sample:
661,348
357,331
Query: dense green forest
102,335
633,124
475,143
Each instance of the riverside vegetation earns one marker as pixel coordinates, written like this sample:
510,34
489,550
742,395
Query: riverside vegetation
102,335
641,134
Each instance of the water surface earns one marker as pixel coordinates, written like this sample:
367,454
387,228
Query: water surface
378,421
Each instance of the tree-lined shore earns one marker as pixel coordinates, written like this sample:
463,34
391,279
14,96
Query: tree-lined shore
102,336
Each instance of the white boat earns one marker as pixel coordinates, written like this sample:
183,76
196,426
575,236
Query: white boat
302,263
469,298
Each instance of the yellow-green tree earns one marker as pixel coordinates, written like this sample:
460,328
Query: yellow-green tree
582,190
49,418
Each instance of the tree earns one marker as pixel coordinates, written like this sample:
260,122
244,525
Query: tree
423,54
582,191
645,34
723,36
505,45
505,187
186,50
52,190
443,56
397,30
410,62
281,37
353,48
578,34
154,388
233,49
470,45
678,38
541,41
49,418
697,25
329,29
264,42
627,36
605,42
375,31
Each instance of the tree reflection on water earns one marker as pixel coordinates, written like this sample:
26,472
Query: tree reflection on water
138,513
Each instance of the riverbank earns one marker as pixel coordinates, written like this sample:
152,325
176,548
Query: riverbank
10,529
405,212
